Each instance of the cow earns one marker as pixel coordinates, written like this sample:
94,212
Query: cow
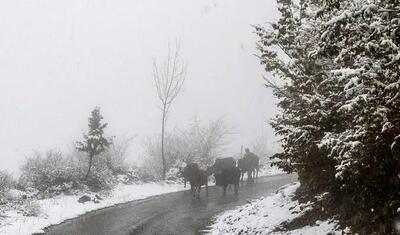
196,177
243,166
250,163
185,173
226,172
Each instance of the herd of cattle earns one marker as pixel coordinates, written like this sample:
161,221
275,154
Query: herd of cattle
225,171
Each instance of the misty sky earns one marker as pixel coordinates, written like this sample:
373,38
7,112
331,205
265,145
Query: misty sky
59,59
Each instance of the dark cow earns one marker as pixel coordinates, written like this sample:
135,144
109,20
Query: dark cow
222,163
196,178
190,167
250,163
243,166
226,173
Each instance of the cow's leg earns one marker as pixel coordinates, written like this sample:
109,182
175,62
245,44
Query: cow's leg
184,182
236,188
225,189
198,193
192,189
207,189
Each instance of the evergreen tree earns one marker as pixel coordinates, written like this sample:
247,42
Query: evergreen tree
94,142
337,64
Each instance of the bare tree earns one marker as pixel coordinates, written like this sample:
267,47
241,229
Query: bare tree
169,78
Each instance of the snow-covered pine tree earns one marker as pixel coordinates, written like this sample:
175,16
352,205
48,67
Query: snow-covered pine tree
303,93
94,142
363,39
337,62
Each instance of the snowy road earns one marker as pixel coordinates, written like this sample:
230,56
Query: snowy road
173,213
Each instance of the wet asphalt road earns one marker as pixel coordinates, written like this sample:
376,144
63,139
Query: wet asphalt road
173,213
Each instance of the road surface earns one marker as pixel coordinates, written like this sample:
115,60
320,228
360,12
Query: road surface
173,213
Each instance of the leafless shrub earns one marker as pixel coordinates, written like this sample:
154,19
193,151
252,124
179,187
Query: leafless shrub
200,143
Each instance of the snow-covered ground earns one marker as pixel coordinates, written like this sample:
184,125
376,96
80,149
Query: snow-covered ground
55,210
264,215
270,170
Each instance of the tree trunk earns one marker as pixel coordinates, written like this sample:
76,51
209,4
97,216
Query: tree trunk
90,166
164,162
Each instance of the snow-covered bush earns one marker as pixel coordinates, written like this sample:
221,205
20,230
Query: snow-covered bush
147,175
55,173
52,173
337,66
6,182
134,174
174,174
101,177
31,208
15,195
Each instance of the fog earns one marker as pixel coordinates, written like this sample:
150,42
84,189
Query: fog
60,59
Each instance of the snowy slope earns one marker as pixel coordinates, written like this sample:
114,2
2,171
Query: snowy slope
264,215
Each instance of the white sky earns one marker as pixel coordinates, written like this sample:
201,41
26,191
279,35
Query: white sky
59,59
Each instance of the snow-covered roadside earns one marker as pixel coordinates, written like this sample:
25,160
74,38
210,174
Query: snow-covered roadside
270,171
264,215
55,210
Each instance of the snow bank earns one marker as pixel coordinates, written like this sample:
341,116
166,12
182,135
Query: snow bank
56,210
264,215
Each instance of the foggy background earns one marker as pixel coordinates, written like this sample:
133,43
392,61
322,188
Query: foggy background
60,59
